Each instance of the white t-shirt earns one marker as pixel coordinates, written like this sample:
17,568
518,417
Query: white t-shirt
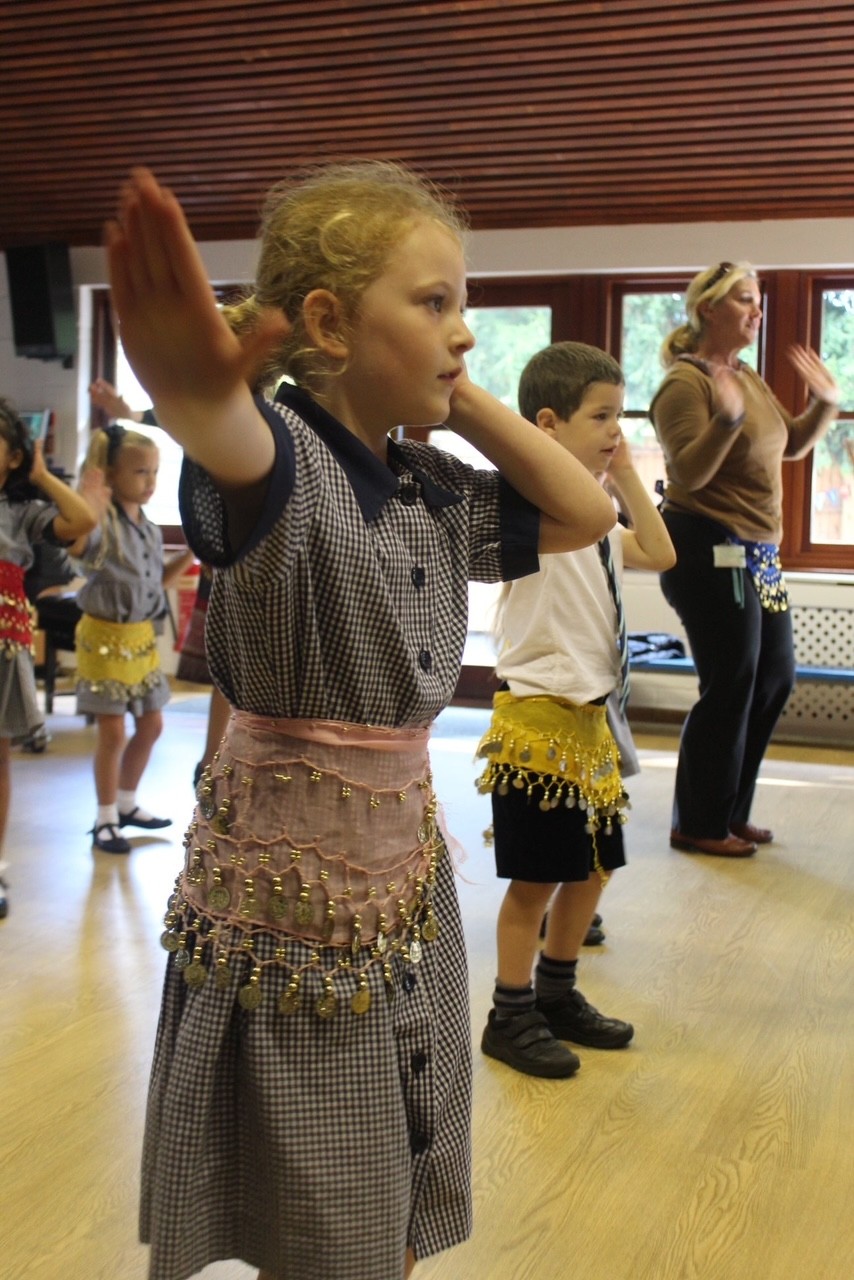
560,628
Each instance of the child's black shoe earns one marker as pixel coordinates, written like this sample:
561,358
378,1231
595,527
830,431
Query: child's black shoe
525,1043
135,819
108,839
573,1018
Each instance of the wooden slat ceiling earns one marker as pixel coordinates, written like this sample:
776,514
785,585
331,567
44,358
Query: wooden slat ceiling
537,114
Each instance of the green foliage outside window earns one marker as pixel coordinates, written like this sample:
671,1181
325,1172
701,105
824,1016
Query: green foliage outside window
506,338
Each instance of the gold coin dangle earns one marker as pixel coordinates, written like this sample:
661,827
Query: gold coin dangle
361,999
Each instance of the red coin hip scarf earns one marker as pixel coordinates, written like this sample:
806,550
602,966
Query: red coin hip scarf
17,616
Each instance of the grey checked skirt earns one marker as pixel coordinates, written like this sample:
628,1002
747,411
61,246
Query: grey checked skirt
315,1149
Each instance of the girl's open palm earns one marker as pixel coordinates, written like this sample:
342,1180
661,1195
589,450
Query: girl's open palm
93,486
178,344
38,470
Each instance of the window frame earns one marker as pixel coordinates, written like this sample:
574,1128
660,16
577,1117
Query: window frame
588,308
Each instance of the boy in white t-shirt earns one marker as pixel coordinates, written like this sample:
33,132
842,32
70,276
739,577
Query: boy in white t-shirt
553,765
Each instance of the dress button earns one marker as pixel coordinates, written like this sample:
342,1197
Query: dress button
408,494
418,1144
419,1062
418,575
425,660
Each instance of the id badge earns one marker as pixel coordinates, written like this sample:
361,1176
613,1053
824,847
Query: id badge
730,555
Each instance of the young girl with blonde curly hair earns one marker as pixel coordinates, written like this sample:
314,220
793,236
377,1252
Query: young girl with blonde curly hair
310,1097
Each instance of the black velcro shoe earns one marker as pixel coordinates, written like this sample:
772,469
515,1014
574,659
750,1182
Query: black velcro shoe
525,1043
147,824
108,840
572,1018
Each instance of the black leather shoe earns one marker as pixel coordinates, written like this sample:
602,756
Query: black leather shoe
525,1043
4,899
572,1018
147,824
107,839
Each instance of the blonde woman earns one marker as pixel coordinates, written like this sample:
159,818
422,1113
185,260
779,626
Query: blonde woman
724,436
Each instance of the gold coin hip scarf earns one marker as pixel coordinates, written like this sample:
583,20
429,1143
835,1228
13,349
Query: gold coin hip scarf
313,848
119,659
17,615
564,752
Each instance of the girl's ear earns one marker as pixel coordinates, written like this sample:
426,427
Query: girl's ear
324,322
16,458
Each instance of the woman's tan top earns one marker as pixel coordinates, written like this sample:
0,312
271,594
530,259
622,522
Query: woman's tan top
732,475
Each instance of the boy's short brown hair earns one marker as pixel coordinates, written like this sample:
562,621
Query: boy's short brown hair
557,377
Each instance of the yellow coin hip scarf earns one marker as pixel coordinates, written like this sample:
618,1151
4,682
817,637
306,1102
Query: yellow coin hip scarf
313,850
564,752
119,659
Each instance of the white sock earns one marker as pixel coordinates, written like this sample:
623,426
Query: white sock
126,801
108,815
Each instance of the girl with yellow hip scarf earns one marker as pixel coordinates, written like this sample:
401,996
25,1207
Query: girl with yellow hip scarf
309,1109
123,603
35,506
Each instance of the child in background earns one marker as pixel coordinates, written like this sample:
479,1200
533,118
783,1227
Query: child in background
123,603
192,662
553,765
310,1099
26,519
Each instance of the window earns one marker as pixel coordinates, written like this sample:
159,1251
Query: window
506,337
832,470
163,507
645,316
629,316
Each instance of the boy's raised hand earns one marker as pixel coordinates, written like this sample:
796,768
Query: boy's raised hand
178,344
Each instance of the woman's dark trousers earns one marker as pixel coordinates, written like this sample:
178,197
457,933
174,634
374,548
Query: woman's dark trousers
745,662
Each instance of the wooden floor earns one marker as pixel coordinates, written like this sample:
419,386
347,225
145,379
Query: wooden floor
719,1146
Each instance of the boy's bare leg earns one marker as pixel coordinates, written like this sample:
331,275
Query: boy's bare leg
518,930
570,914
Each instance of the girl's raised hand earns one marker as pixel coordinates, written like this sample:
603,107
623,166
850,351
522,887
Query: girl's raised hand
176,340
38,470
93,487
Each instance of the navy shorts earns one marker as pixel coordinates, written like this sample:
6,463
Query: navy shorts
549,846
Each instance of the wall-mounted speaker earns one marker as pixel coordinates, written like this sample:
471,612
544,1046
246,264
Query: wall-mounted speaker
42,301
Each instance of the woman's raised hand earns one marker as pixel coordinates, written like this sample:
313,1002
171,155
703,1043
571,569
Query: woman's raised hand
817,376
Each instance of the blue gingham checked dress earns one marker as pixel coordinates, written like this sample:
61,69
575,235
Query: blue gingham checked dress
322,1149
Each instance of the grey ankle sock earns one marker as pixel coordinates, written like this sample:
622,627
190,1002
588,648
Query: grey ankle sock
554,978
510,1001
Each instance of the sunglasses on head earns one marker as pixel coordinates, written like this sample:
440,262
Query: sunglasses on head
721,270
